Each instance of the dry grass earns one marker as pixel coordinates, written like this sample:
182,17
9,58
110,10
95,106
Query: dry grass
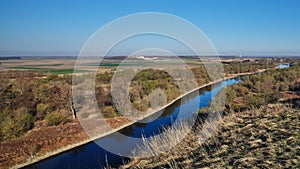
170,137
260,138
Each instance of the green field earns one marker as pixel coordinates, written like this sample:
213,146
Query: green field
52,71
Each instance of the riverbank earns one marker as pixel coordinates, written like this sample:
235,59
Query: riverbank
262,134
267,137
119,126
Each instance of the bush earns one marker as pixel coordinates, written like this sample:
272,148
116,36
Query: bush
203,111
109,111
24,119
8,129
52,77
104,78
3,114
42,110
148,86
14,126
55,118
248,84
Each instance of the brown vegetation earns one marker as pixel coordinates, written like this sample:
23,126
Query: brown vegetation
33,102
267,137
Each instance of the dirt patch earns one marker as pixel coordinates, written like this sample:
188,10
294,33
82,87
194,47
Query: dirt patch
291,95
39,142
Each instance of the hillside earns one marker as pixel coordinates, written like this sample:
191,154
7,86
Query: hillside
259,129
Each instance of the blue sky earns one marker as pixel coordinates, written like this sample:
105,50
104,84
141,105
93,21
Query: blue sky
61,27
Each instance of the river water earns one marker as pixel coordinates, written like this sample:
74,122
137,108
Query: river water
92,156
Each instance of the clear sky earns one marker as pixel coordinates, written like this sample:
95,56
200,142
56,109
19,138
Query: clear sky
61,27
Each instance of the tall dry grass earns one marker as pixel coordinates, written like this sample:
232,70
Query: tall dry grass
265,137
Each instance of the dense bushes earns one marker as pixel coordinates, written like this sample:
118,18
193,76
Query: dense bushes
257,90
14,126
261,89
27,96
146,82
238,67
30,96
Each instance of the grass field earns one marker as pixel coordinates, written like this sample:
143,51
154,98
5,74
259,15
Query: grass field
52,71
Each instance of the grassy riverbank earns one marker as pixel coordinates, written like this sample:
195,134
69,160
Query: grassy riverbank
263,134
267,137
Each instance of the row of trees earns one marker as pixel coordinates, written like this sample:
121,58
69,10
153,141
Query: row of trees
242,67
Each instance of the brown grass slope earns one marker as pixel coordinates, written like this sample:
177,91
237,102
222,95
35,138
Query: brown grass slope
266,137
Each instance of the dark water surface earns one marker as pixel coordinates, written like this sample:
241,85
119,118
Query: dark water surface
93,156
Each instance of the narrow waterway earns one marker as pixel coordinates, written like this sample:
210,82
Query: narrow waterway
93,156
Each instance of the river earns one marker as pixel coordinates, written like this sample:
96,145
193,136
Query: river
93,156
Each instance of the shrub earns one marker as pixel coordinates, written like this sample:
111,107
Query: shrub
203,111
248,84
8,129
52,77
3,114
104,78
148,86
55,118
42,110
23,119
109,111
15,126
